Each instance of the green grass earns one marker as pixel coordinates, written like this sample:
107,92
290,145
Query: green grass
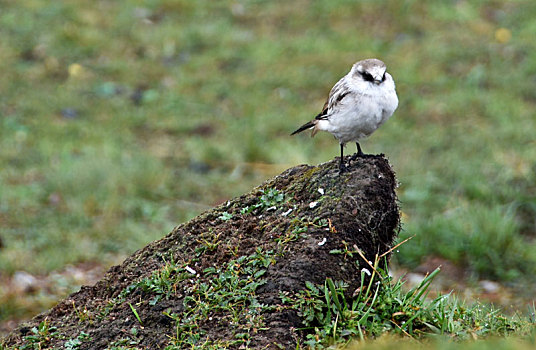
120,120
382,307
441,344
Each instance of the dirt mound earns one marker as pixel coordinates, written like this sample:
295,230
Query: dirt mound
226,279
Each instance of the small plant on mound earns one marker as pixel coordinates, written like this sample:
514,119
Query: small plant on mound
270,198
163,282
41,336
382,307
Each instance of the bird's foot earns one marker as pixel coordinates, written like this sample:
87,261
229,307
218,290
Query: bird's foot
342,167
359,155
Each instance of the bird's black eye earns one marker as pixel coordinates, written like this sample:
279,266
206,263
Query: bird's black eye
367,76
383,77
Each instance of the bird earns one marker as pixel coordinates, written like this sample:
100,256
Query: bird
357,105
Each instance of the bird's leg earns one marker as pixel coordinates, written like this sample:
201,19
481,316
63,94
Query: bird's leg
342,167
359,153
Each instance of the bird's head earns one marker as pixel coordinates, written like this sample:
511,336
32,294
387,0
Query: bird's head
371,70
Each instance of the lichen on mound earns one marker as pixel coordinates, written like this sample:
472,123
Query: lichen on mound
219,280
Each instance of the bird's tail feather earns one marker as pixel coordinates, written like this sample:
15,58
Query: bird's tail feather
305,126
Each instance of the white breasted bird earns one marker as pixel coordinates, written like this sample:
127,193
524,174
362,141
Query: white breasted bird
357,105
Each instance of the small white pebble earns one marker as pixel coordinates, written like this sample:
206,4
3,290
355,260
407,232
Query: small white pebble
365,271
190,270
23,281
272,208
321,191
313,204
324,240
490,286
287,212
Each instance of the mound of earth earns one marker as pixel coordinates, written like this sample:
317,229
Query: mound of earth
230,277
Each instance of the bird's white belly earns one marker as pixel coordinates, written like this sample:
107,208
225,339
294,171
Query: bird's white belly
356,122
354,125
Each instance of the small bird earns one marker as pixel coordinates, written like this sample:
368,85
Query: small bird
357,105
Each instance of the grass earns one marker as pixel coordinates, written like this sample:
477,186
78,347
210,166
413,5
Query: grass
382,307
118,121
407,344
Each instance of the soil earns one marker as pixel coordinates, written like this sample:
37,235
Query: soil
354,210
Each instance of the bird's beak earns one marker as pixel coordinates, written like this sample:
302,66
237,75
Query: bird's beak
378,79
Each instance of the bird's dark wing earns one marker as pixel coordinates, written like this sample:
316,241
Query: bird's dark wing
324,113
336,95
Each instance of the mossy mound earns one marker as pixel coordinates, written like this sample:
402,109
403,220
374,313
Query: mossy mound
219,280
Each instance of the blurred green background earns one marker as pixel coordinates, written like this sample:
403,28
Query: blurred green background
120,120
